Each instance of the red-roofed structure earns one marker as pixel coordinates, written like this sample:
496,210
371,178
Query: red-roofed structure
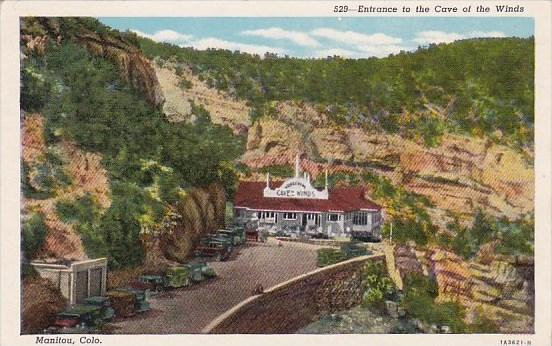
341,199
294,205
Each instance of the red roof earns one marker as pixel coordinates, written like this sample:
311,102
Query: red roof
250,195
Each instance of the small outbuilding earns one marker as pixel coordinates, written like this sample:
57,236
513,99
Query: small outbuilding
77,280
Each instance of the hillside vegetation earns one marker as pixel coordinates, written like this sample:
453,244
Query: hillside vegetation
481,87
85,99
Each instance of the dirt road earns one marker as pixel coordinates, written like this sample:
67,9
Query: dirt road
188,310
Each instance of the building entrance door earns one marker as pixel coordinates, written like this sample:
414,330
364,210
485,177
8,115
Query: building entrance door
304,222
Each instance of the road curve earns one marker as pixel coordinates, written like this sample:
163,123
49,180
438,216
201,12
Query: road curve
188,310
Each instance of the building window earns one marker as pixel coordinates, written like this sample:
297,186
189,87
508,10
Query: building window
311,216
290,216
335,217
267,215
360,218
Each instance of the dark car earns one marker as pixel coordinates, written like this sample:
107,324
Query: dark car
220,249
354,249
104,304
225,239
200,271
156,283
237,234
78,319
141,301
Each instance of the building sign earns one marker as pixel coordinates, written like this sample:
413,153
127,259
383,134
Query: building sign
296,187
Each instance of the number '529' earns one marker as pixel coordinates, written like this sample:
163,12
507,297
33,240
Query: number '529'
344,8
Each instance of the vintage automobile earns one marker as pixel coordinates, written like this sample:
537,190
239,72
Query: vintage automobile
206,270
214,247
78,319
178,276
226,239
108,313
141,302
200,271
240,231
156,283
232,235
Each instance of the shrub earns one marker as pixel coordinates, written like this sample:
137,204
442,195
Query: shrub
419,302
379,287
185,84
178,70
84,209
33,234
516,237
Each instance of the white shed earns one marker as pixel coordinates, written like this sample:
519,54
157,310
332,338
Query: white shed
76,280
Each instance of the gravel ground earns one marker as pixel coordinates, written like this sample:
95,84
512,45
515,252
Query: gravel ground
188,310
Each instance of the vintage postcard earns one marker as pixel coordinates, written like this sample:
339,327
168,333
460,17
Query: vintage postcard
276,172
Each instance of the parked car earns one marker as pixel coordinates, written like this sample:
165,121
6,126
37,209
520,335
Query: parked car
240,232
178,276
156,282
141,303
200,271
78,319
206,270
196,275
220,249
107,312
354,249
234,235
226,239
319,235
328,256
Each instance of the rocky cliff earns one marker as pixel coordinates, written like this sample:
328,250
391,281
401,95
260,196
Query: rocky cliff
198,212
460,175
498,288
223,109
38,32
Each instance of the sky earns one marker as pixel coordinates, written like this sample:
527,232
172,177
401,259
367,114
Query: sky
320,37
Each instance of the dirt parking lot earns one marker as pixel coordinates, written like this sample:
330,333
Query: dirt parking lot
188,310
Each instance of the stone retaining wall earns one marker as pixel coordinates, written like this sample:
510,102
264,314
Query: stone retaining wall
293,304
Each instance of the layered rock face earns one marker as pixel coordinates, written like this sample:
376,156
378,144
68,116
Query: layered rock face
499,289
200,211
460,175
38,32
224,110
134,67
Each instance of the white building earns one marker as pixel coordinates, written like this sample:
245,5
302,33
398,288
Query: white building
295,205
